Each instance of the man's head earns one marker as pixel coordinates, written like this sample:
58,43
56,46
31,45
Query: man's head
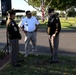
11,13
51,11
28,14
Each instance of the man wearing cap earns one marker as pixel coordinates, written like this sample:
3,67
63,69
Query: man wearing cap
13,36
53,30
29,26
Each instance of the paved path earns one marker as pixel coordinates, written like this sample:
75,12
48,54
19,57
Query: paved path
67,42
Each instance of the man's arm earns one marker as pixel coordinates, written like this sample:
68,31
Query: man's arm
37,24
58,27
21,26
36,28
48,28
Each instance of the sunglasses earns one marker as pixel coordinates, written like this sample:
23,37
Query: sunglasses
29,14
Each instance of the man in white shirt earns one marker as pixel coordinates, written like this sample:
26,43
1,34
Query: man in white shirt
29,26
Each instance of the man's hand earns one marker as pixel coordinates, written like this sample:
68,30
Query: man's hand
48,30
54,35
24,31
36,28
53,38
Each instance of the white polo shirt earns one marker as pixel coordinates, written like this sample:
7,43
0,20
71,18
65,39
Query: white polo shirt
29,23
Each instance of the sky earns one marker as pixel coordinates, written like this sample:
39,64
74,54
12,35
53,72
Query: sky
21,4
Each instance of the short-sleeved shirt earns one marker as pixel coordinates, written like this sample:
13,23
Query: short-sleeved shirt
54,24
29,24
12,30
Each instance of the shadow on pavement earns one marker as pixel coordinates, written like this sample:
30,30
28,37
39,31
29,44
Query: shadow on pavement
46,50
41,49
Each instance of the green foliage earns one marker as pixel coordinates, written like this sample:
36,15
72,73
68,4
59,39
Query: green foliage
57,4
34,13
1,54
72,12
57,14
35,3
62,14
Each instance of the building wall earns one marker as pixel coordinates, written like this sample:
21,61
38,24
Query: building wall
5,6
0,6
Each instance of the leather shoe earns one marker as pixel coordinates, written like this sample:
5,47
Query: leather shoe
16,65
54,62
20,60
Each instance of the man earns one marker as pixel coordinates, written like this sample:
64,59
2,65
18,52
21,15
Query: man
53,30
13,36
29,26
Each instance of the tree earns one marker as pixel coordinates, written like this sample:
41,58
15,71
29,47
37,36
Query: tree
62,14
62,5
34,3
34,13
71,12
57,4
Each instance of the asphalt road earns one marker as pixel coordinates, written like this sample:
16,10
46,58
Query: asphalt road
67,42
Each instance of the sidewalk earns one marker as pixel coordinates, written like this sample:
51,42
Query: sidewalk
67,41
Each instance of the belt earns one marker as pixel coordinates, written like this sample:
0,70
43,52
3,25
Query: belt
30,32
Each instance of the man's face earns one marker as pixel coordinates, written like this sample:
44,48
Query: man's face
50,14
29,14
13,16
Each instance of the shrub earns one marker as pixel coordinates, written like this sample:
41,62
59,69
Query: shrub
2,54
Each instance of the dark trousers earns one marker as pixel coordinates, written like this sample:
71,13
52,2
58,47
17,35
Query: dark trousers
15,51
54,42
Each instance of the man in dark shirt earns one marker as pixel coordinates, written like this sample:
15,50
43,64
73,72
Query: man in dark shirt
13,36
53,30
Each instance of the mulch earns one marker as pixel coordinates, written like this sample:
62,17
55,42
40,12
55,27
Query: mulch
4,60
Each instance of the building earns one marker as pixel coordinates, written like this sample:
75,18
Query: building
5,5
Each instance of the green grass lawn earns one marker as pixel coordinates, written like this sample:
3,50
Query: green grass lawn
70,23
40,65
